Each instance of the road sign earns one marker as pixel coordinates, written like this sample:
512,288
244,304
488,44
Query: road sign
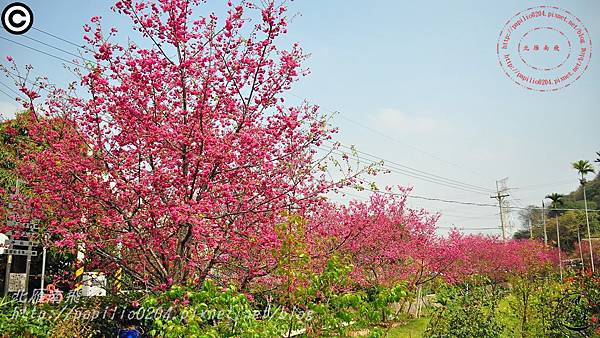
22,243
18,252
17,282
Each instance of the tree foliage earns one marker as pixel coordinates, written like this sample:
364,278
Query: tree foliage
177,167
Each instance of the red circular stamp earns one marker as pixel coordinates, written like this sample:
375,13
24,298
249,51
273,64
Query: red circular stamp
544,48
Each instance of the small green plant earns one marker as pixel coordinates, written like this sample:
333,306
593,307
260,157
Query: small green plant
338,306
24,320
534,304
211,311
467,310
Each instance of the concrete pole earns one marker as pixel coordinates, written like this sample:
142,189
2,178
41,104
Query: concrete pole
544,224
559,251
587,220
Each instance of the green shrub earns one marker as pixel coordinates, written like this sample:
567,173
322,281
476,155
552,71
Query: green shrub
210,312
328,305
23,320
533,304
466,311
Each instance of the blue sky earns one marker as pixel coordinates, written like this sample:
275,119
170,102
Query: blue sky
425,76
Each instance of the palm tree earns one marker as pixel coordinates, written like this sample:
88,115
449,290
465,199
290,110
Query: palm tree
584,167
556,202
598,159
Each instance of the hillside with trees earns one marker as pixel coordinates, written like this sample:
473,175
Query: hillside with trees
566,212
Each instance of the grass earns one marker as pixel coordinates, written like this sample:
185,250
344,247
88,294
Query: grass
508,317
414,328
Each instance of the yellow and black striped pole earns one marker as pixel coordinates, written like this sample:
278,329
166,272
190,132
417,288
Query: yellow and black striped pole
117,282
119,273
79,269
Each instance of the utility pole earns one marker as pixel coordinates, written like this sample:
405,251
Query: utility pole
9,257
530,229
500,195
28,267
544,224
587,221
580,249
559,254
43,270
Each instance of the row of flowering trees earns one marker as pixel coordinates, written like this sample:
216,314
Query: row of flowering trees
389,242
178,160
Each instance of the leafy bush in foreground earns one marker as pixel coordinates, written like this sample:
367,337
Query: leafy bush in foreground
466,311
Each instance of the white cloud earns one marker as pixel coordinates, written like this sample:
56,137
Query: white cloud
393,120
7,110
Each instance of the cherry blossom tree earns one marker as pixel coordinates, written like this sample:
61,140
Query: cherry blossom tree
497,260
175,161
388,242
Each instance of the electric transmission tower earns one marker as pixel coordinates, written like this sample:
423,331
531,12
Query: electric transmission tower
501,194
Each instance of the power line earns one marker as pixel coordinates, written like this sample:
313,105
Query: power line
334,111
415,173
411,174
59,49
441,180
39,51
518,201
11,89
443,214
449,180
21,77
470,203
361,198
63,39
467,217
394,139
532,187
470,228
7,94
